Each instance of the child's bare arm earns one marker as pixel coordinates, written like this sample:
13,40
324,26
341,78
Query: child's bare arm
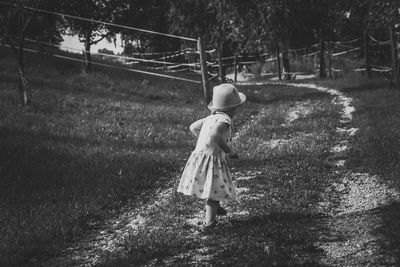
196,127
217,137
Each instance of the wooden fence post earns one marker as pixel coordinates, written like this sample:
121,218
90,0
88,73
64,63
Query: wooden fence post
278,60
395,69
204,72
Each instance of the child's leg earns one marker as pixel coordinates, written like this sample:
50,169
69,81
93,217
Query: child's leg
211,211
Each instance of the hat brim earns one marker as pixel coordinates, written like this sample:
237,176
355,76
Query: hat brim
242,100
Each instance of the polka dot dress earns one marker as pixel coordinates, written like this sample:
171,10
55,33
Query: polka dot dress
206,174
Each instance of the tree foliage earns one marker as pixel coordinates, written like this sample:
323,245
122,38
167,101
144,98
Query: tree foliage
231,27
90,31
148,15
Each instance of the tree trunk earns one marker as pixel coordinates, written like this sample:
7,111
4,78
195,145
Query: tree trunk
329,60
236,66
88,57
366,55
322,72
395,69
220,63
286,65
278,61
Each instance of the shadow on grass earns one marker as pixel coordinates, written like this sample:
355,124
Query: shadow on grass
376,146
263,238
292,239
54,187
98,85
260,98
276,239
132,91
390,229
365,88
365,238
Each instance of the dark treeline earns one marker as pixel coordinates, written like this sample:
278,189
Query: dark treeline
231,27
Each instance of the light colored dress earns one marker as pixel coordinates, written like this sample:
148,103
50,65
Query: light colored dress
206,174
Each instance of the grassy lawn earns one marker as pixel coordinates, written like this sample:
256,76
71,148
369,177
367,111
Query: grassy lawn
377,147
288,182
87,146
91,145
282,224
375,150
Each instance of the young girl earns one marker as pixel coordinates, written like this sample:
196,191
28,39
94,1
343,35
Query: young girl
206,174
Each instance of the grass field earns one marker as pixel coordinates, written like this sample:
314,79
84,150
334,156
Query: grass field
86,146
289,179
90,145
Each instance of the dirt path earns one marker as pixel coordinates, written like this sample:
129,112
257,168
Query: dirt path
345,236
347,233
110,236
353,202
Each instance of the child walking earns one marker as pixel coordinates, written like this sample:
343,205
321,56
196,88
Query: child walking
206,174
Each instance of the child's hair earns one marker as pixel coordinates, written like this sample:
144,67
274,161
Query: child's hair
213,112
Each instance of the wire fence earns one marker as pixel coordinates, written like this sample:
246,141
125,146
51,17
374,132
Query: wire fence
340,57
161,64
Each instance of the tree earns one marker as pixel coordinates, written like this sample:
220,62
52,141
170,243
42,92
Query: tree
88,30
327,17
20,20
367,18
149,15
213,20
191,18
284,24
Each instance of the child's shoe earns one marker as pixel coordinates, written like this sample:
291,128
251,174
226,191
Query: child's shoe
208,228
221,211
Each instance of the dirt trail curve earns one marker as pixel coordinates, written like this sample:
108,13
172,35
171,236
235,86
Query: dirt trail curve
356,192
353,203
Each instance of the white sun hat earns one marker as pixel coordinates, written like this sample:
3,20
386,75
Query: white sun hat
226,96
